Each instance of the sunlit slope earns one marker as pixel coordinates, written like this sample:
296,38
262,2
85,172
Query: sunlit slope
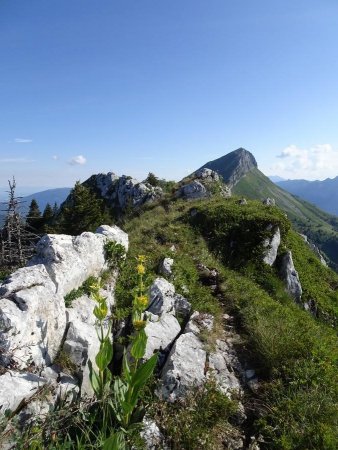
318,225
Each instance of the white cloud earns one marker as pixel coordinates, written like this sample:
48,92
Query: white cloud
78,160
55,157
317,162
22,141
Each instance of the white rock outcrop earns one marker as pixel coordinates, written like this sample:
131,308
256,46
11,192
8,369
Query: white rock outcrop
70,260
161,332
193,190
163,299
164,308
32,318
16,387
184,368
121,191
34,321
166,267
290,277
271,245
222,364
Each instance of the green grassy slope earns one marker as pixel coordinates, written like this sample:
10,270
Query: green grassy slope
319,226
294,354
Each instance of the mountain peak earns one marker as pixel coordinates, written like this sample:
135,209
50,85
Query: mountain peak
233,166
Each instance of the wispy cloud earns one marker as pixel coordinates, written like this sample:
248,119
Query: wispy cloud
78,160
22,141
55,157
319,161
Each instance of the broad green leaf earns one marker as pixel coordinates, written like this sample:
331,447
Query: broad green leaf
105,354
139,345
94,379
144,372
125,367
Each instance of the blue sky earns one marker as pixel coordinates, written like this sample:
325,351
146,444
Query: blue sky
164,86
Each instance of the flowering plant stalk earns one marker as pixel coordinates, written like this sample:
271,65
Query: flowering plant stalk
121,395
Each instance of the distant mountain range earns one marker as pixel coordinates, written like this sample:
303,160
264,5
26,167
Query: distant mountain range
50,196
323,194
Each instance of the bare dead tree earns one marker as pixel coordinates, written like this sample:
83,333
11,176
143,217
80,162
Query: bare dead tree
16,242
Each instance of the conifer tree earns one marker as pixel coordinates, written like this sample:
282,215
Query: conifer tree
82,211
152,179
34,218
47,219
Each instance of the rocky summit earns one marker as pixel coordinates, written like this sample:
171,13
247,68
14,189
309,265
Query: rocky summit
233,166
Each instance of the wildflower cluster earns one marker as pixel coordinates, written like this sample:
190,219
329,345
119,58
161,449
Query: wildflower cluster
140,299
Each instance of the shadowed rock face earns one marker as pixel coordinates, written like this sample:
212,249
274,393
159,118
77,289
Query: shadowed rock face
233,166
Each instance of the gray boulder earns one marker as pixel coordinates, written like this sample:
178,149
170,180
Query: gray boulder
163,299
271,245
290,277
193,191
269,202
207,175
199,322
81,346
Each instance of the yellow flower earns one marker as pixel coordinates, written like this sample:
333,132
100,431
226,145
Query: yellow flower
140,269
141,259
142,301
139,324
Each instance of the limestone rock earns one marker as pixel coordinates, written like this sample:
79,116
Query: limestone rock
16,387
184,368
222,364
114,233
193,191
182,306
272,245
269,202
233,166
123,191
290,277
199,322
161,332
166,267
163,299
154,439
70,260
32,318
207,175
82,345
315,249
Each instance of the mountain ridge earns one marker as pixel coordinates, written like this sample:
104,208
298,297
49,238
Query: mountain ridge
322,193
